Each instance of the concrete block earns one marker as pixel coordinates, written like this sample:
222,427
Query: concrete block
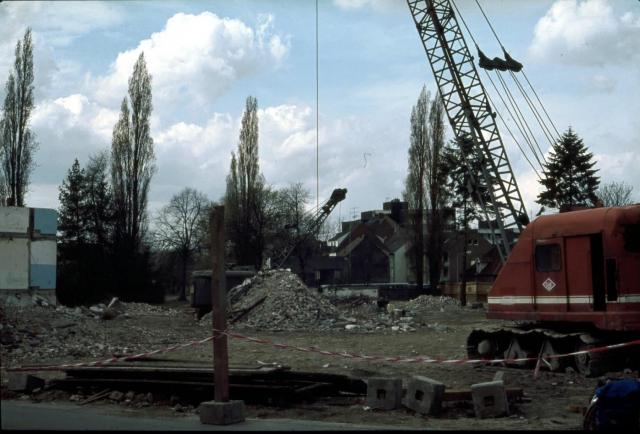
384,393
14,263
490,399
21,382
423,395
14,220
45,222
221,413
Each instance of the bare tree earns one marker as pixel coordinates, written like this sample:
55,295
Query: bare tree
17,142
179,229
615,194
414,192
132,158
292,221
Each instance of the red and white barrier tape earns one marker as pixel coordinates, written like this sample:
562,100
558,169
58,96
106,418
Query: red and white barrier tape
111,360
343,354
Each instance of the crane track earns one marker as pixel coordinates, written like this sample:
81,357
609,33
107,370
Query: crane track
515,343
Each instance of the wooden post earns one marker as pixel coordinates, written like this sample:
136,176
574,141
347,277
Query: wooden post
219,306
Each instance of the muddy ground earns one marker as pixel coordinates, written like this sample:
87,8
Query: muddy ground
552,401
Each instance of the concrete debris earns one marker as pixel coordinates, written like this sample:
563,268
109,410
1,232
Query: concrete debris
116,396
288,303
32,334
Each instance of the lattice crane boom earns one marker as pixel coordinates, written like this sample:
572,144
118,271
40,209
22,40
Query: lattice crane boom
312,227
469,112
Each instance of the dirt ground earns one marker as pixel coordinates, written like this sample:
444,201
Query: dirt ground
552,401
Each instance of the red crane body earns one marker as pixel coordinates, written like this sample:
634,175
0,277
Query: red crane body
580,266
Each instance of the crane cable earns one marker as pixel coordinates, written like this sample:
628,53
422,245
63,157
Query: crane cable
502,99
523,120
523,73
524,154
545,129
317,116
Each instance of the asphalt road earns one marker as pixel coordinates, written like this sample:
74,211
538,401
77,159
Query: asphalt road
19,415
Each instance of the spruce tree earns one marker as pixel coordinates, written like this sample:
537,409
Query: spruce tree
99,200
569,177
72,214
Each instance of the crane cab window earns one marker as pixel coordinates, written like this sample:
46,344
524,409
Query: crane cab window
632,238
548,258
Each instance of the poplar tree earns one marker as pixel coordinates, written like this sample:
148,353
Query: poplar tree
246,192
569,177
17,141
436,193
132,158
414,192
132,166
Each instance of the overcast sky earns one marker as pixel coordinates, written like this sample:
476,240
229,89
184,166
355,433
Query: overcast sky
206,57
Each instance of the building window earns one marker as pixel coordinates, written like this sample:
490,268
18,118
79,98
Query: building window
548,257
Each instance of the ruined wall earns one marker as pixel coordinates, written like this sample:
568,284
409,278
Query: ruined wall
27,252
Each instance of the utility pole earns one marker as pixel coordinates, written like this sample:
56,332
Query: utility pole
222,411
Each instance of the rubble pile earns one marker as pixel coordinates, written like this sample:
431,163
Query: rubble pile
430,302
39,333
278,300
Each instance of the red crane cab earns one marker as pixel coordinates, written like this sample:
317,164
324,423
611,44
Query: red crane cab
579,267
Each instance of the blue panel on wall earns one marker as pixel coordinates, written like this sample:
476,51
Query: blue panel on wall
45,221
43,276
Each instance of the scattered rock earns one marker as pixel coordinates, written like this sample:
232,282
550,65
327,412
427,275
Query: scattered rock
116,396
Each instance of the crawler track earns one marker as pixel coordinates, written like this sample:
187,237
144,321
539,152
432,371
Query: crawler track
519,343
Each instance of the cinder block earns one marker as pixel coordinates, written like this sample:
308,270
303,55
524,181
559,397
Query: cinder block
221,413
490,399
21,382
384,393
423,395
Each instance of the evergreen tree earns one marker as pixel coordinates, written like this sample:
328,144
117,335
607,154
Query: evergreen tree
569,178
72,212
99,200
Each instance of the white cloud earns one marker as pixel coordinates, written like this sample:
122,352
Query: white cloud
54,24
196,57
602,83
66,128
586,33
375,4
